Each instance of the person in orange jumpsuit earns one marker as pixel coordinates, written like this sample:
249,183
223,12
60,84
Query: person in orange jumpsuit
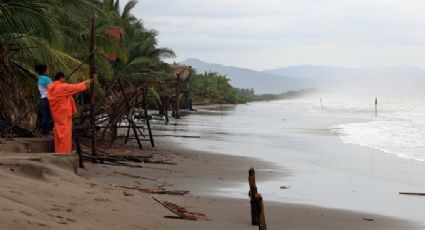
62,107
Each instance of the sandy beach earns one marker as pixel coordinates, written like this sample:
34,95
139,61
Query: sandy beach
42,191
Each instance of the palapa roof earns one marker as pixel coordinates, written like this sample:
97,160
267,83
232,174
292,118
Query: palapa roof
181,71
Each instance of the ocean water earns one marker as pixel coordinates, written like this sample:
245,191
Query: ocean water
341,156
398,129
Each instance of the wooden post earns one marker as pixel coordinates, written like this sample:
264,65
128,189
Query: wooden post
221,107
130,114
167,104
376,107
262,218
92,115
80,156
321,103
128,133
144,93
255,219
177,113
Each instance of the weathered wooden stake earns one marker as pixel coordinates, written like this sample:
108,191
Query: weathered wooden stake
145,108
256,200
321,103
262,217
80,156
92,115
255,219
177,113
128,133
376,107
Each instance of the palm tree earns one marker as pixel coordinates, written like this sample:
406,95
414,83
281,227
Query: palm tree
31,31
56,33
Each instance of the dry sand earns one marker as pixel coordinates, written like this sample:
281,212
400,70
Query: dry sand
42,191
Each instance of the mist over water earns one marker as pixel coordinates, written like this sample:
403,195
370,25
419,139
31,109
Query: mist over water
398,128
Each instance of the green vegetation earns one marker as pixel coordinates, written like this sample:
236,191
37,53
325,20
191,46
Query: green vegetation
56,33
214,88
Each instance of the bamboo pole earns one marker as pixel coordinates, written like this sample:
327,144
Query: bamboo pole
92,115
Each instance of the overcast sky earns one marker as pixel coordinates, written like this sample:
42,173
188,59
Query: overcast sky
261,34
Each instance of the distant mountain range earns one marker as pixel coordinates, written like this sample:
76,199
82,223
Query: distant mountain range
321,77
262,82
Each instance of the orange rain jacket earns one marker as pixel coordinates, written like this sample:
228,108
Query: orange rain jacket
62,107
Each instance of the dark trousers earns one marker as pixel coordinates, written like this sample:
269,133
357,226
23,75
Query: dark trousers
45,113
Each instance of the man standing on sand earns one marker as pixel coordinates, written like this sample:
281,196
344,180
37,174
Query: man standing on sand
62,107
43,82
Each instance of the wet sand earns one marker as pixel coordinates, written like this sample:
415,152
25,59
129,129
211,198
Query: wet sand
42,191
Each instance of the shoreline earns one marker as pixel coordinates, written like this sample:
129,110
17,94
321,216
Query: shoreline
203,171
99,196
43,194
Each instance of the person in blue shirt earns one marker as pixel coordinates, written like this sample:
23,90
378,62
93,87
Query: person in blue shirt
43,81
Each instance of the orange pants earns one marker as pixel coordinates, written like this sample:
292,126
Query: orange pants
63,135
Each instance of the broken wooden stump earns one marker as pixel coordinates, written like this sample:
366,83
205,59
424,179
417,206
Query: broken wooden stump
252,192
262,217
256,201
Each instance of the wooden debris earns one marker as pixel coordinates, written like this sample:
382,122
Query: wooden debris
170,135
157,190
135,176
181,212
412,193
127,193
368,219
284,187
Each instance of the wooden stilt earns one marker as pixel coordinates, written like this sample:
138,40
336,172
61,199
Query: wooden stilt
144,93
376,107
177,113
128,133
167,104
130,115
80,156
92,115
133,125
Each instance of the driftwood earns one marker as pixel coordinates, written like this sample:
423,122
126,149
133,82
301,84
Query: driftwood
412,193
135,176
181,212
157,190
170,135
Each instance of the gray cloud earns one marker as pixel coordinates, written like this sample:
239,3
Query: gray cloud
271,33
